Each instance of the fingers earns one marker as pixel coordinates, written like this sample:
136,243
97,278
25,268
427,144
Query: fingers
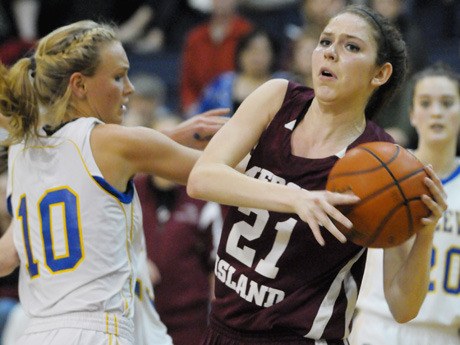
315,229
215,112
321,212
341,198
318,218
437,202
435,179
205,133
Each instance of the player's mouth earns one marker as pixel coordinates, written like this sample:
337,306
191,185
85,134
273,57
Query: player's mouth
325,73
437,127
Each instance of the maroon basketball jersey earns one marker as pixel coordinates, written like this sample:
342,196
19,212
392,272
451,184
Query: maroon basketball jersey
271,274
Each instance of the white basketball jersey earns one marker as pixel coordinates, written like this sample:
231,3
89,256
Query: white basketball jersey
442,303
72,230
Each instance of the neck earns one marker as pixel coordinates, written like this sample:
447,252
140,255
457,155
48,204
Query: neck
334,122
324,133
441,158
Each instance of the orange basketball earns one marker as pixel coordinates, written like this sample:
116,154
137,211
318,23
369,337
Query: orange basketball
389,181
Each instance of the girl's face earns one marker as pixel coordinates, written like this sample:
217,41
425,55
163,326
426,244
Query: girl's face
436,109
344,61
257,56
108,90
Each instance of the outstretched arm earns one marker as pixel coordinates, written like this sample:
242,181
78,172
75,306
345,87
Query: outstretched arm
407,267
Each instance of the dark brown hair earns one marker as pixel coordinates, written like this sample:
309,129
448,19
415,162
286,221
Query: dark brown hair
390,48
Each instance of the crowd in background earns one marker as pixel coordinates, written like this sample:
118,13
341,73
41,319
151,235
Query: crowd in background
189,56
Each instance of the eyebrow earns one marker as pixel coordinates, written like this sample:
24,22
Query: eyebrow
328,33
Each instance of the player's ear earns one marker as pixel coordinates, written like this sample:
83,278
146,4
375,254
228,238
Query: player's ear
383,73
77,84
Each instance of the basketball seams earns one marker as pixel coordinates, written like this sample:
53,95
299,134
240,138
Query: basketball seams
389,185
392,195
365,171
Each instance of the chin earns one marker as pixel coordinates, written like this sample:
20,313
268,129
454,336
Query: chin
324,93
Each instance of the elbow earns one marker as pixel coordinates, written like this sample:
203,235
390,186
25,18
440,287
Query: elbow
195,185
405,315
404,318
8,265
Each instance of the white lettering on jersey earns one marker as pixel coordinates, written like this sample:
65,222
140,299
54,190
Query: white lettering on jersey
251,291
266,175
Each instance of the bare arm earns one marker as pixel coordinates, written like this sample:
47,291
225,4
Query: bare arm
121,152
9,258
215,178
407,267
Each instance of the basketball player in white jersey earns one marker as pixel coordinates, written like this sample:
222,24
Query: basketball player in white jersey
435,113
75,210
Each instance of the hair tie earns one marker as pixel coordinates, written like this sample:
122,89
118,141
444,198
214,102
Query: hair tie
33,66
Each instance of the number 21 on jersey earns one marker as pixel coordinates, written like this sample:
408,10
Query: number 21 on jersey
267,266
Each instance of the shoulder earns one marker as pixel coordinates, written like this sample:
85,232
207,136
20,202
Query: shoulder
119,136
272,92
276,84
300,91
378,132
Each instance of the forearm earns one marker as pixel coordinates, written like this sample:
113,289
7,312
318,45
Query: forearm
9,258
407,290
223,184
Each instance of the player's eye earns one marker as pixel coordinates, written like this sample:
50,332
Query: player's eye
324,42
425,103
352,47
447,103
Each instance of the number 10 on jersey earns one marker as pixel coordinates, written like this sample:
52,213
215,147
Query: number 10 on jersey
60,199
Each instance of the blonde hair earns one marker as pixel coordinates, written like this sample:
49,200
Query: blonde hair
39,85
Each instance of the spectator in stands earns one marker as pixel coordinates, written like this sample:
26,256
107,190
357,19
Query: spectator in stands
210,50
318,12
148,102
160,25
181,234
256,59
299,66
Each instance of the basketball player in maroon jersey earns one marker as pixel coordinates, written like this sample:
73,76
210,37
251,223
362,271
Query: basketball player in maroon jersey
284,273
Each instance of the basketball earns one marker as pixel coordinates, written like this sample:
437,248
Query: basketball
389,181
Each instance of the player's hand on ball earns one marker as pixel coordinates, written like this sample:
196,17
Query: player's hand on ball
437,202
317,208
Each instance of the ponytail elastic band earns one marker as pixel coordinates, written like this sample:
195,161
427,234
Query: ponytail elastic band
33,66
